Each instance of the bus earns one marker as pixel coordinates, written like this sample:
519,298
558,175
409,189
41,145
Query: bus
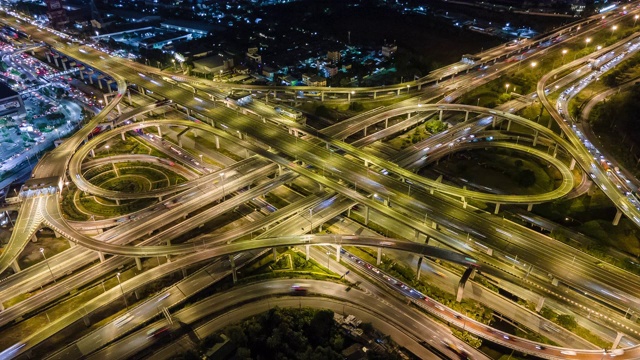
289,112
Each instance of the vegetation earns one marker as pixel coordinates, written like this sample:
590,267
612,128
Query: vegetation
569,322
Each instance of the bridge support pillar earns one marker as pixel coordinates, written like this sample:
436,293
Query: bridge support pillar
434,225
15,266
184,273
616,219
234,274
535,137
529,207
349,97
71,243
159,131
338,248
34,238
398,92
540,303
379,258
463,281
117,200
275,254
48,57
386,123
509,125
497,210
122,136
616,342
217,141
138,264
440,115
322,96
119,110
573,164
495,120
419,270
365,131
129,96
466,116
90,76
92,153
366,215
306,251
101,256
375,95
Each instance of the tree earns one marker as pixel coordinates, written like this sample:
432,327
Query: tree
526,178
567,321
320,327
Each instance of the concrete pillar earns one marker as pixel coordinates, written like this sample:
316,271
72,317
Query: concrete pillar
440,115
375,95
616,219
122,136
386,123
184,273
379,258
159,131
349,97
119,110
129,96
616,342
398,92
573,164
497,210
34,238
466,116
419,270
101,256
365,131
138,264
64,64
463,281
118,201
495,119
306,248
366,215
417,234
322,96
233,269
48,57
15,266
540,303
529,207
535,137
434,225
275,254
71,243
338,248
508,125
92,153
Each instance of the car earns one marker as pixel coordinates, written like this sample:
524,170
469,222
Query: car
123,320
157,332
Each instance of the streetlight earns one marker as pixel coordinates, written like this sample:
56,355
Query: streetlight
108,152
564,52
174,64
587,41
614,28
58,133
599,47
121,290
311,219
507,88
635,19
408,86
47,262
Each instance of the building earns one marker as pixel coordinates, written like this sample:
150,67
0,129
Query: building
389,50
240,98
330,70
10,101
254,58
268,72
195,28
213,64
314,80
333,56
56,13
161,40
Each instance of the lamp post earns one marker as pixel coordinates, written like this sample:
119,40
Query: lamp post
47,262
174,64
614,28
408,86
635,20
122,291
507,88
587,41
222,183
58,133
108,152
311,219
564,52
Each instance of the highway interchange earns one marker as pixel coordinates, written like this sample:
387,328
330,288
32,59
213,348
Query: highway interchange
353,178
